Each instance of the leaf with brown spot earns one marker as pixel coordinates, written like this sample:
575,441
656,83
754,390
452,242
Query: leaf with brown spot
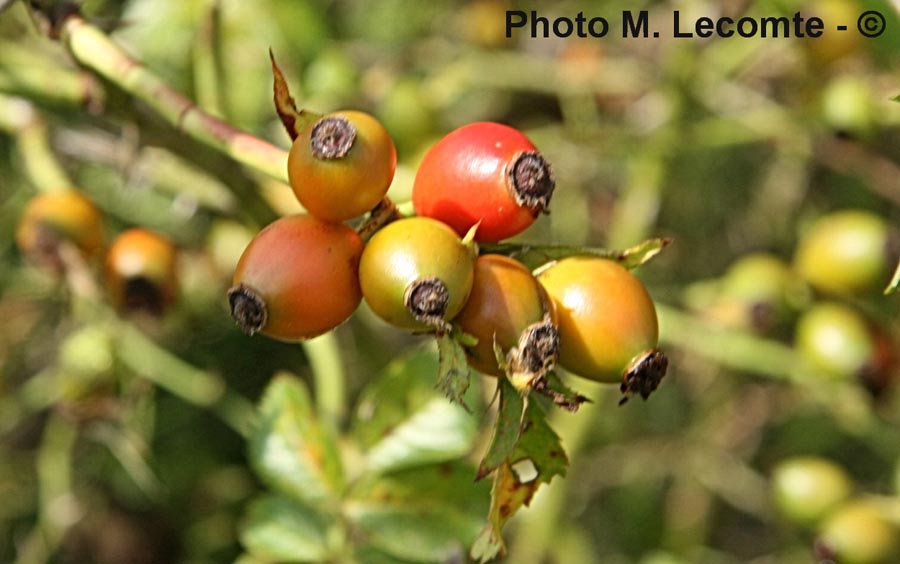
508,494
538,443
561,395
294,120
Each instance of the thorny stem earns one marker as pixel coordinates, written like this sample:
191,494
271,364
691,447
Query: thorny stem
94,49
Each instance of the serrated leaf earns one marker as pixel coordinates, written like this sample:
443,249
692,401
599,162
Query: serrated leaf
507,430
437,432
894,285
564,397
538,444
294,120
278,530
290,450
404,387
454,375
414,534
437,486
508,494
535,255
424,514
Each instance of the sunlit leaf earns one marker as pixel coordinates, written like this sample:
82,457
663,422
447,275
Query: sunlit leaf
402,421
294,120
895,282
371,555
536,255
279,530
427,514
404,386
437,432
289,449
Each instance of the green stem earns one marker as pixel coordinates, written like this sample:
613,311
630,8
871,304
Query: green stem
143,356
327,367
19,118
25,71
94,49
728,347
58,507
208,65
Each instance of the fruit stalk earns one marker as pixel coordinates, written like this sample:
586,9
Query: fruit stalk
94,49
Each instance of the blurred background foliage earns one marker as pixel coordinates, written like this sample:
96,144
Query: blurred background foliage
124,438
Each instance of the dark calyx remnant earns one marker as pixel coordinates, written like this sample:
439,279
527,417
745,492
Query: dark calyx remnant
142,294
248,309
537,351
532,181
427,300
332,138
644,375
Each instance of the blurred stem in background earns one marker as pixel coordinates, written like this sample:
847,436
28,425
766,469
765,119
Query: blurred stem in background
92,48
58,507
208,65
329,378
19,118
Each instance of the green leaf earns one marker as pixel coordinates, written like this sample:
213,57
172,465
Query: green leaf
437,432
437,487
535,255
402,421
564,397
294,120
507,429
278,530
895,282
454,375
371,555
508,494
248,559
402,388
290,450
426,514
540,446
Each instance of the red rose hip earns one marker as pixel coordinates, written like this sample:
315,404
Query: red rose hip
484,172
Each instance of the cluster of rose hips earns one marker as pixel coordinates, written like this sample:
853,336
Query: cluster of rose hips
303,275
843,260
818,495
61,229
